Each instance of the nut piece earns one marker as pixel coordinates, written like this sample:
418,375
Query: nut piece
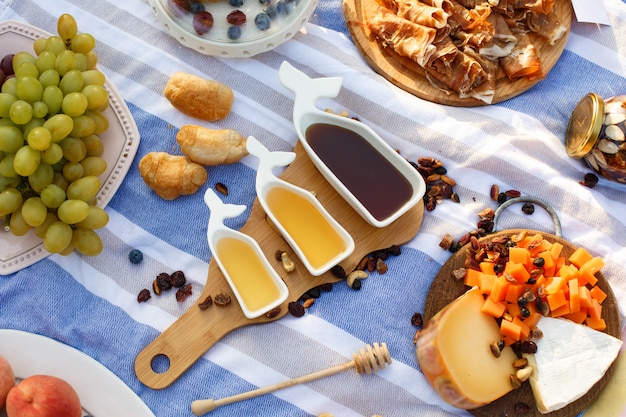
515,381
273,312
354,275
494,346
308,302
524,373
288,264
520,363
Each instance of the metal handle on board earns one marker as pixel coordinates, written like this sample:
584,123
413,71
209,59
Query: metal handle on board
558,231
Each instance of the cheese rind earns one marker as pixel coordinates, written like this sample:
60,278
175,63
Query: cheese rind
453,351
571,358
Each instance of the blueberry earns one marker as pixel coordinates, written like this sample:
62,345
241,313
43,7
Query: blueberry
282,8
135,256
262,21
196,7
236,3
272,11
234,32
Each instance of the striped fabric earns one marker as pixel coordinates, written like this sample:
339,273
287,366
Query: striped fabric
91,303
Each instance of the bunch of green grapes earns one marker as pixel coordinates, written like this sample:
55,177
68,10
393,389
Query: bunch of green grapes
51,116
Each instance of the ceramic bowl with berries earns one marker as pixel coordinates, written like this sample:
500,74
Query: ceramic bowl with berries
233,28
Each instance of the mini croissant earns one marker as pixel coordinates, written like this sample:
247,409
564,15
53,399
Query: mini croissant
211,147
171,176
197,97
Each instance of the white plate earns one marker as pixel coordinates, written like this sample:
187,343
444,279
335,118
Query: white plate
121,141
32,354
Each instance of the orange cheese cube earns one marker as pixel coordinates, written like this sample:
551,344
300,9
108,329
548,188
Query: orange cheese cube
556,300
598,294
579,257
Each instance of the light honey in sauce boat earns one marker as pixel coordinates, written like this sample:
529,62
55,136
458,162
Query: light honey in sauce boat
381,189
318,240
256,285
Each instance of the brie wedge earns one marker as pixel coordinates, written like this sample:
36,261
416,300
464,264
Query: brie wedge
570,359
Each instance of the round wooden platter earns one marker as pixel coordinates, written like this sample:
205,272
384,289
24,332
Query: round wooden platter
445,289
196,331
409,76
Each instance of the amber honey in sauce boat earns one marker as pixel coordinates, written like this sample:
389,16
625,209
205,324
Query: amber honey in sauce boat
369,174
318,240
255,283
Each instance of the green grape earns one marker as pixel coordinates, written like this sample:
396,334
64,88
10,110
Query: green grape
66,61
9,86
39,45
52,196
40,110
87,242
20,112
22,57
11,139
93,165
94,77
28,88
55,44
83,126
73,149
6,183
74,104
71,82
83,43
73,211
92,60
5,104
96,219
26,161
57,237
18,225
67,27
72,171
97,96
40,231
34,211
81,62
50,77
102,123
39,138
41,177
93,145
10,201
60,180
46,61
59,125
33,123
27,69
6,166
84,188
52,155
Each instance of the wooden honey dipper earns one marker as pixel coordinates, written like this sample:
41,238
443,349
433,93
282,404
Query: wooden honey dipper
367,360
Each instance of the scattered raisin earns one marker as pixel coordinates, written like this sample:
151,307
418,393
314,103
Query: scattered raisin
521,408
590,180
296,309
502,198
540,262
338,272
144,295
221,298
163,280
326,287
528,208
394,250
177,279
206,303
381,266
417,320
183,292
528,346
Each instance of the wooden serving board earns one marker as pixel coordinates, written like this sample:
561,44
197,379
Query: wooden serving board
445,289
196,331
409,76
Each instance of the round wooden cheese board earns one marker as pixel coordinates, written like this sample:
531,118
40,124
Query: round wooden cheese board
409,76
197,330
445,289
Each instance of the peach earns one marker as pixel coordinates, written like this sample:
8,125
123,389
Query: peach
43,396
7,379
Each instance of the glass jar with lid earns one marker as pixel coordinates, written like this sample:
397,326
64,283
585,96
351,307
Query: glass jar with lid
596,133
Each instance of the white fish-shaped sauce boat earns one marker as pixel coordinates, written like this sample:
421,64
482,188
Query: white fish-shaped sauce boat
369,174
256,285
318,240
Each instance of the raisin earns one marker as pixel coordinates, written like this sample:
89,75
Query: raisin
590,180
296,309
206,303
521,408
177,279
528,346
502,198
394,250
417,320
338,272
326,287
163,281
221,299
183,292
528,208
539,262
144,295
